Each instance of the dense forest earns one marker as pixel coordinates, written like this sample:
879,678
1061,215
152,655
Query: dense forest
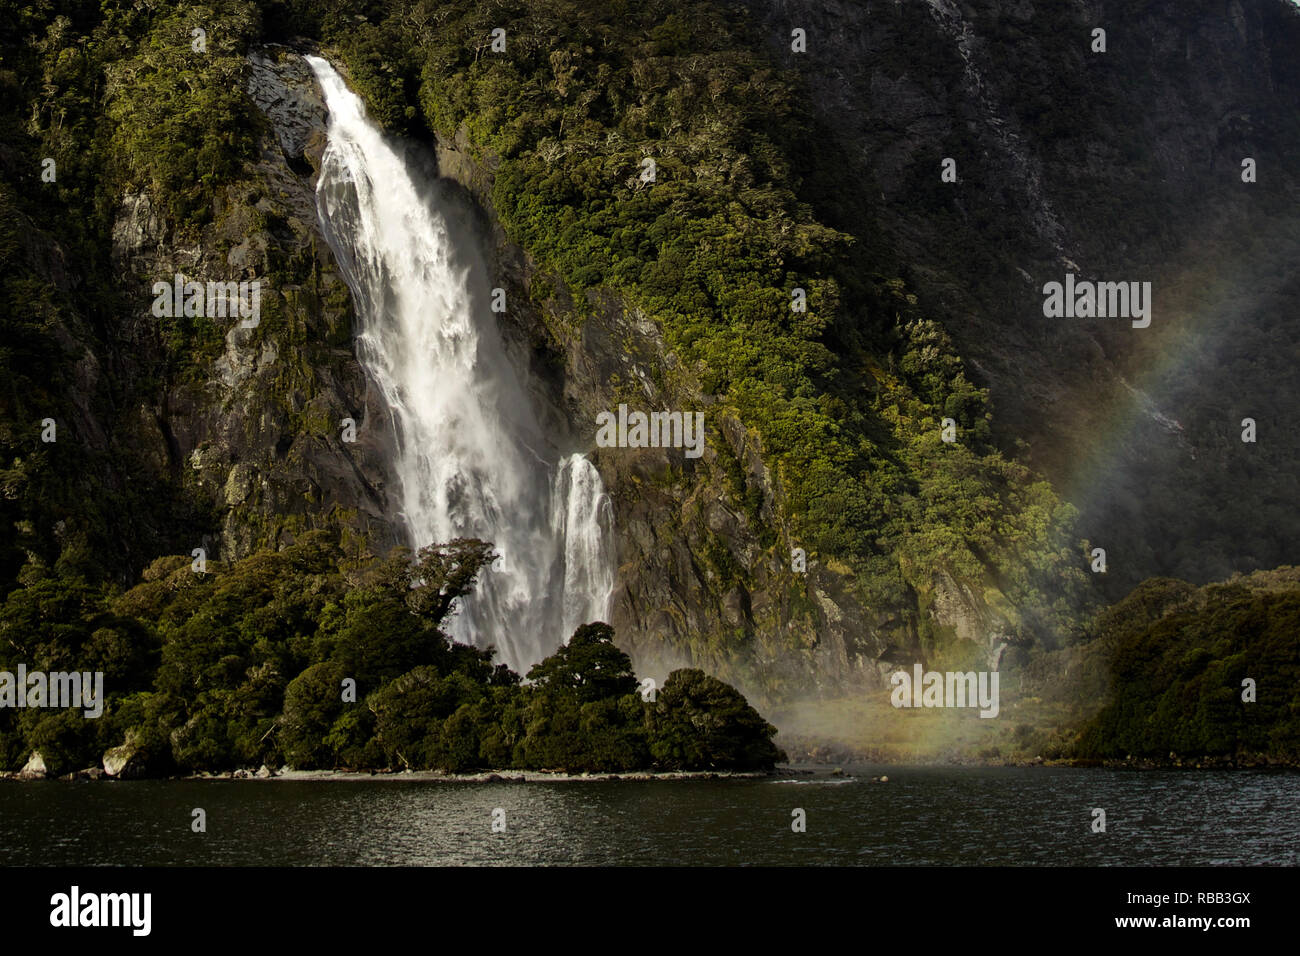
846,400
314,658
1207,671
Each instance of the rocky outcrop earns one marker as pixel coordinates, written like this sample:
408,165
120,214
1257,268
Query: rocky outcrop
34,769
257,430
126,762
284,89
954,607
87,775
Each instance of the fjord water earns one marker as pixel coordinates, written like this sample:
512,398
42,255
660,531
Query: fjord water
923,816
472,458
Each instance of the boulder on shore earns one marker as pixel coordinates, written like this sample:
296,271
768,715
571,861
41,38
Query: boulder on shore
90,773
125,762
34,769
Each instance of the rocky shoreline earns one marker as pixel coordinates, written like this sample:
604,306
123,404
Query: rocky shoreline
848,769
127,763
31,772
486,776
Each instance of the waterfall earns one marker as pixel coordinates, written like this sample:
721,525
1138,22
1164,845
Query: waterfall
472,458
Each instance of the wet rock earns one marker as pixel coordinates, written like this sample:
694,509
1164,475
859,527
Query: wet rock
90,773
283,86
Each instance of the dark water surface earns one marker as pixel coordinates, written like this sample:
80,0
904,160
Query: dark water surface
931,816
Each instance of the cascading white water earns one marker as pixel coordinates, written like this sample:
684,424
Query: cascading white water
472,458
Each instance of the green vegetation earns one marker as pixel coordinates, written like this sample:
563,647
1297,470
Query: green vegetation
113,94
845,400
1178,658
848,396
252,664
1158,681
182,125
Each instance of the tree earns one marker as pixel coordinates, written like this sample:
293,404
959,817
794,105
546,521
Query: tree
313,703
589,666
410,713
699,723
439,575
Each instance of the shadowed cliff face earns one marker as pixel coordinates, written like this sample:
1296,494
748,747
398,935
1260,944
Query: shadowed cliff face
257,428
693,556
1120,166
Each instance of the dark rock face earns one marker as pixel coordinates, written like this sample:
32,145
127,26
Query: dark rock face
1124,165
259,432
284,89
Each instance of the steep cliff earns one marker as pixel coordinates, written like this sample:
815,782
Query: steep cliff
1122,165
704,576
777,174
824,432
257,428
180,429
